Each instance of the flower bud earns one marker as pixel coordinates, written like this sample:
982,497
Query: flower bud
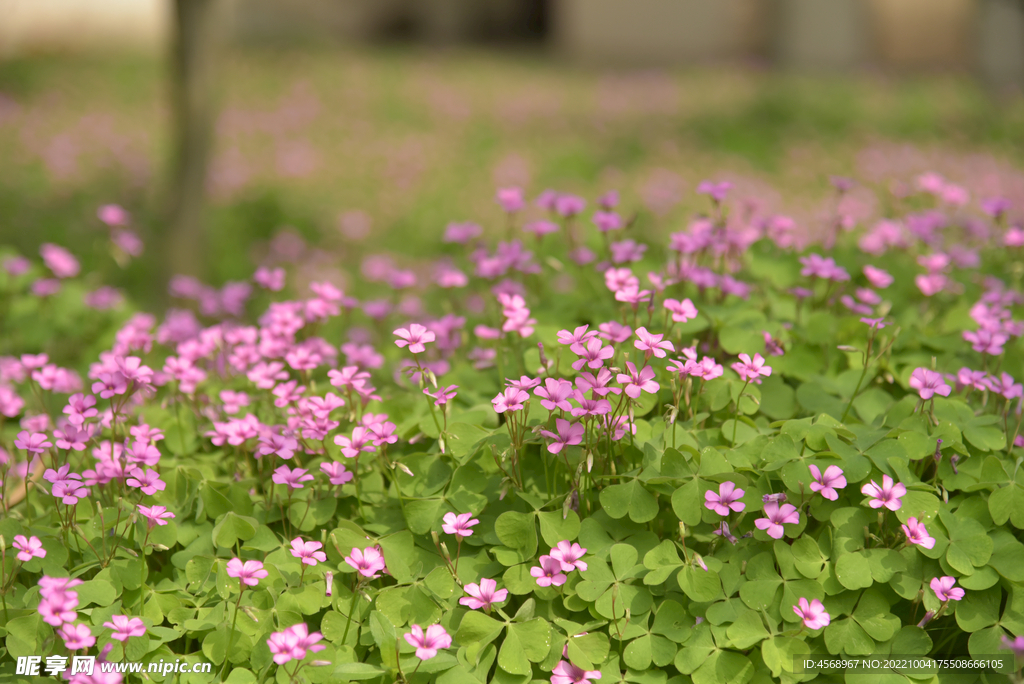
329,578
320,663
774,498
927,618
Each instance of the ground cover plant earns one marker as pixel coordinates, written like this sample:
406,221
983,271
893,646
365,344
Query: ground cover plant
554,450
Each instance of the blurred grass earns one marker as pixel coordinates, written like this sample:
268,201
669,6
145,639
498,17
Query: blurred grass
417,139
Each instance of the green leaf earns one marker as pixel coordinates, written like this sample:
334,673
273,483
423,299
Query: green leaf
630,497
724,667
663,560
979,609
672,621
512,656
440,581
853,571
623,557
422,514
554,528
478,628
969,543
846,636
517,531
1007,504
96,591
385,637
231,527
535,637
747,631
1007,556
686,502
588,649
357,671
699,585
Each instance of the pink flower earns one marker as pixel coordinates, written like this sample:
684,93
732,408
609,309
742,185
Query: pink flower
335,470
293,643
483,595
76,636
415,336
291,477
459,524
69,491
813,614
549,572
125,627
568,434
360,441
917,534
511,200
59,260
637,382
555,393
149,481
368,562
569,556
887,495
32,442
681,311
877,277
986,341
250,572
728,497
510,400
29,548
828,482
652,344
776,518
594,354
443,395
308,551
58,607
156,515
931,284
944,589
928,383
428,644
751,370
817,266
567,673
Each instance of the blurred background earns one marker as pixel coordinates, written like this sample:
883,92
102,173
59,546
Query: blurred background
243,132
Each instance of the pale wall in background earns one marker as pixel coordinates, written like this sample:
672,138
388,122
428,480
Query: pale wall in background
28,26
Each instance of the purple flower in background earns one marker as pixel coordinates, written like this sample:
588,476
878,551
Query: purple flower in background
549,572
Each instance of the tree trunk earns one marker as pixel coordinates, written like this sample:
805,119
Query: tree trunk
193,107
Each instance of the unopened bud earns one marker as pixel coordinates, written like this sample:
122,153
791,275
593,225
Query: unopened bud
682,530
252,614
938,452
405,469
774,498
926,619
320,663
700,561
590,461
953,460
329,578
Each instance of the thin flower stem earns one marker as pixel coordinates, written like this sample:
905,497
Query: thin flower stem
231,634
